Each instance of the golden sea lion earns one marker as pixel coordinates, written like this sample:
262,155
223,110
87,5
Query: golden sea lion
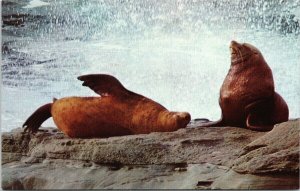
116,112
247,96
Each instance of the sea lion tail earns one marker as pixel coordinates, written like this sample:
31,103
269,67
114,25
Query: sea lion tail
33,123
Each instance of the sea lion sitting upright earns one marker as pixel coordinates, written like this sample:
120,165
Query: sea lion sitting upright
117,112
247,96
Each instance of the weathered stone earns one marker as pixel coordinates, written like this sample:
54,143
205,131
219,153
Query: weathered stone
191,158
276,151
190,145
272,181
75,175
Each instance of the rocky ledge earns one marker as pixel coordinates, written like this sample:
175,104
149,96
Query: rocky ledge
190,158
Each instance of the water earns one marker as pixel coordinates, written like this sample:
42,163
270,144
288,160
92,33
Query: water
174,52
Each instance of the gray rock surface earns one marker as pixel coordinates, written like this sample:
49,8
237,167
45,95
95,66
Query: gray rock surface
191,158
276,151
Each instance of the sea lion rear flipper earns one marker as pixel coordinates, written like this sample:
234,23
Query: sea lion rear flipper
259,115
33,123
261,104
258,123
103,84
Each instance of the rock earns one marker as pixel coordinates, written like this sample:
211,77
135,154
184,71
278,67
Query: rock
234,180
73,175
191,158
275,152
190,145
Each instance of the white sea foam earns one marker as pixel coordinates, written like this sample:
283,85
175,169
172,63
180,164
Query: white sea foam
35,3
181,69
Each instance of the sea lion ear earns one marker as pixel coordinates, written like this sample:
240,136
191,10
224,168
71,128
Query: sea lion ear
102,84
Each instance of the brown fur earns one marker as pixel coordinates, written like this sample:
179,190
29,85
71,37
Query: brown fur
117,112
247,96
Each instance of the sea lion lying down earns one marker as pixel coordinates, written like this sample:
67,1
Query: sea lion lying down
117,112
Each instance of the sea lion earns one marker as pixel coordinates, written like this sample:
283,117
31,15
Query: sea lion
247,96
117,111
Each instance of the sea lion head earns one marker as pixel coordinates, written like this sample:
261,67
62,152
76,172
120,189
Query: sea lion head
182,119
240,53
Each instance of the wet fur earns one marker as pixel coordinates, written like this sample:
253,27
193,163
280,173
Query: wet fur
117,112
249,82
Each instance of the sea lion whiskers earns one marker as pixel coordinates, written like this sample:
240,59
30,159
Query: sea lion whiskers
236,55
241,55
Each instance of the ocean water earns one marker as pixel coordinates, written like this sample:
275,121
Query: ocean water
175,52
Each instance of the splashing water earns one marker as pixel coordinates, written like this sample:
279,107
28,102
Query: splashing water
174,52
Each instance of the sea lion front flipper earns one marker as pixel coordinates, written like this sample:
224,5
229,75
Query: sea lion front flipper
103,84
202,123
259,115
202,120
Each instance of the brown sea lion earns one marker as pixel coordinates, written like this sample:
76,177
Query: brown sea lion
247,96
116,112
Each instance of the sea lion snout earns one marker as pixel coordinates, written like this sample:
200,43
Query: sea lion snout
234,48
241,52
234,43
244,48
